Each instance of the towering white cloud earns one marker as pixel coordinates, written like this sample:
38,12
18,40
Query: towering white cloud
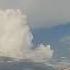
13,33
16,37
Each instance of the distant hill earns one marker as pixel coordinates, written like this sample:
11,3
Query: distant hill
18,65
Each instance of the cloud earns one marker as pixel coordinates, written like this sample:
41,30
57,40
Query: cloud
12,33
16,37
42,53
65,40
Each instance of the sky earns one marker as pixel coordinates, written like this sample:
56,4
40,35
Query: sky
53,16
42,13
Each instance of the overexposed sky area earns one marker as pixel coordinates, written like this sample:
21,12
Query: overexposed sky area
42,13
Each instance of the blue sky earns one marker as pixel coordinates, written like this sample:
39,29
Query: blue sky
58,37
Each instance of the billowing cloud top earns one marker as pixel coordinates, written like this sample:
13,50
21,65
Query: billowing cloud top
16,37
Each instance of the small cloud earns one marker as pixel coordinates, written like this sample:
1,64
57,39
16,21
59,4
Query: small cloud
65,40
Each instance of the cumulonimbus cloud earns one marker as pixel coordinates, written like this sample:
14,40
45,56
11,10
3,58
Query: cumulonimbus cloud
16,37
